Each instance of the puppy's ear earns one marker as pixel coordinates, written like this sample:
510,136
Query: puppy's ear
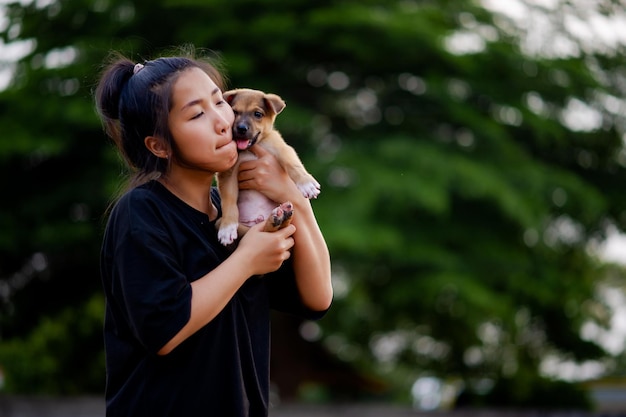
274,102
229,96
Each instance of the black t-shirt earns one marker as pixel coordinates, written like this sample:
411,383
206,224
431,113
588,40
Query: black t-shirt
154,246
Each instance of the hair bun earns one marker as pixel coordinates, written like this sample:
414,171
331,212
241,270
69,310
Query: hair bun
113,81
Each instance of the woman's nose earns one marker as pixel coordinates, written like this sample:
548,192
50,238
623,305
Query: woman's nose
222,124
224,121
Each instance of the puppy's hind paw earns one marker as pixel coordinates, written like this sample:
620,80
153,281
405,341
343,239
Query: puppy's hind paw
227,234
287,208
274,220
279,217
310,189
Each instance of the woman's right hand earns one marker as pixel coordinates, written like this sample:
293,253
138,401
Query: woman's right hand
265,252
258,253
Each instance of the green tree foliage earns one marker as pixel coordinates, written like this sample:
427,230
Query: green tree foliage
465,175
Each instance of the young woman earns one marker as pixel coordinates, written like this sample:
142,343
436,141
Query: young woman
187,320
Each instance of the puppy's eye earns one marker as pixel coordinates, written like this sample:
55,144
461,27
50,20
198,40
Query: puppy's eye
258,114
235,112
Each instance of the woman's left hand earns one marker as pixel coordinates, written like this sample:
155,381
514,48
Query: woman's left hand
267,176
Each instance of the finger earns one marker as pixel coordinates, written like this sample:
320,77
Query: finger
287,230
245,175
246,166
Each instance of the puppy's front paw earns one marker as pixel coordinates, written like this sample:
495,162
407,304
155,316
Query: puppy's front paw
227,233
309,189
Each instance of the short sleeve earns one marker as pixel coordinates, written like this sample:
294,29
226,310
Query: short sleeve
147,280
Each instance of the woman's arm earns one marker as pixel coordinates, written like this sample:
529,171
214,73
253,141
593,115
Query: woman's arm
257,253
311,259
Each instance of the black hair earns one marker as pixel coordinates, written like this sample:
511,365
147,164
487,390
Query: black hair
134,100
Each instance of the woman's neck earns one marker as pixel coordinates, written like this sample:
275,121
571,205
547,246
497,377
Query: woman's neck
193,191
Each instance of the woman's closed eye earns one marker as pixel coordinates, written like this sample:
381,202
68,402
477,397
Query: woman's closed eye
197,116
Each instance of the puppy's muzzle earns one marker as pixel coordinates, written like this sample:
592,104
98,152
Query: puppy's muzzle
243,136
241,130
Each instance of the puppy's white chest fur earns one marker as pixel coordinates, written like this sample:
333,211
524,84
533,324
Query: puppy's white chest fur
254,207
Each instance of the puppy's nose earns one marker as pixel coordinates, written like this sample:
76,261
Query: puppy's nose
241,129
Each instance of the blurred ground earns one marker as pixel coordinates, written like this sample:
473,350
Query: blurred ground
94,407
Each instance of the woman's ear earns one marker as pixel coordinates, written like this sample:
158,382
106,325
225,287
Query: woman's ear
157,146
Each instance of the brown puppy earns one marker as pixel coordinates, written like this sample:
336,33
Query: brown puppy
255,112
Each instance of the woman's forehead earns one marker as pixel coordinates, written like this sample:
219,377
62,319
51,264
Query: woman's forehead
194,78
191,85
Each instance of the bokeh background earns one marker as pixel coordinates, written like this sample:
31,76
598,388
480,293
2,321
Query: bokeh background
473,170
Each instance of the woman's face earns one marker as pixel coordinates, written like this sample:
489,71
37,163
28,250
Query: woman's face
200,122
